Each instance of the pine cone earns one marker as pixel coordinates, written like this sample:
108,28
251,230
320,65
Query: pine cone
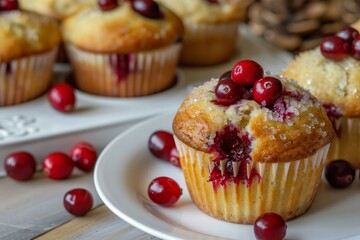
351,10
295,25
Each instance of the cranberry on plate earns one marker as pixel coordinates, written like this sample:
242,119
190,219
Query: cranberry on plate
62,97
339,173
270,226
164,191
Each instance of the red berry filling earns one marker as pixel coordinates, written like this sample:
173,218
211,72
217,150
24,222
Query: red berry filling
334,115
107,5
120,64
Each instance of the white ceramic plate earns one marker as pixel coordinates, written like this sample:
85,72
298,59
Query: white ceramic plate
125,168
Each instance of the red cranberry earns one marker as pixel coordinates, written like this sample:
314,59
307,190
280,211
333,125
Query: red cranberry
84,156
247,72
348,34
20,166
225,75
270,226
78,201
355,48
335,48
162,145
164,191
213,1
339,173
62,97
147,8
267,90
58,166
107,5
228,92
8,5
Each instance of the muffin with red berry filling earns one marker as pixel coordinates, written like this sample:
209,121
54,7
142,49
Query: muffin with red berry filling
251,143
211,29
123,48
29,43
332,73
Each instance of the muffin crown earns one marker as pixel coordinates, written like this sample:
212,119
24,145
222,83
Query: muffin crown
294,128
206,11
121,30
24,33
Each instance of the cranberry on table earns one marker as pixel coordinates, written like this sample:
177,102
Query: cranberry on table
84,156
247,72
78,201
164,191
20,166
107,5
228,92
8,5
62,97
339,173
348,34
147,8
267,90
270,226
58,166
162,145
335,48
355,48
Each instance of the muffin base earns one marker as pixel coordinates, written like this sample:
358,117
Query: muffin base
285,188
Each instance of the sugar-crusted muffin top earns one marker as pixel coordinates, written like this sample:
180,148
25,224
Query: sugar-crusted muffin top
205,11
294,128
121,30
55,8
25,33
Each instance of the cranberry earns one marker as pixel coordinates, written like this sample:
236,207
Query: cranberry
270,226
120,63
228,92
58,166
107,5
62,97
355,48
339,173
213,1
8,5
225,75
78,201
84,156
247,72
348,34
147,8
267,90
164,191
335,48
162,145
20,166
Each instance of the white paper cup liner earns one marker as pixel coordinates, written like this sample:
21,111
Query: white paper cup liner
207,44
346,145
25,78
124,75
287,188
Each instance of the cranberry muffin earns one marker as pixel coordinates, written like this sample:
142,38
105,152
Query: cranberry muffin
29,43
124,48
211,29
332,74
251,143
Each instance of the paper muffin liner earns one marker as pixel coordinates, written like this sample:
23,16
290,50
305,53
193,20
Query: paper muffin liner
124,75
25,78
346,145
207,44
287,188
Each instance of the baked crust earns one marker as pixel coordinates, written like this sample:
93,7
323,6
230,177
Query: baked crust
273,139
334,82
204,12
25,33
121,30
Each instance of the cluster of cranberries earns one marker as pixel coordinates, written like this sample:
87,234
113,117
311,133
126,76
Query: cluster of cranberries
342,44
246,81
147,8
339,173
9,5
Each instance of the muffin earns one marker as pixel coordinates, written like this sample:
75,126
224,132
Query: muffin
262,151
124,50
211,29
335,81
29,43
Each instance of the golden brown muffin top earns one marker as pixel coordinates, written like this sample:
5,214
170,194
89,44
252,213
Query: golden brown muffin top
25,33
297,129
205,11
332,82
121,30
58,9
